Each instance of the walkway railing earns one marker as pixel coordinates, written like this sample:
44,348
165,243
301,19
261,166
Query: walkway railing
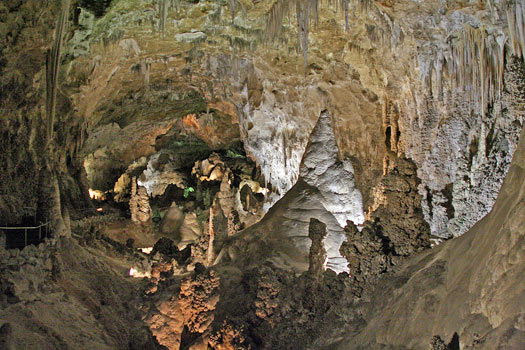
42,228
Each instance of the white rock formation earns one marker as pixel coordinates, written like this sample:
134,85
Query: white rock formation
325,191
156,179
321,168
190,37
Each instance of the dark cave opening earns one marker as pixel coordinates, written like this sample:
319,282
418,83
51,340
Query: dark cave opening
388,136
97,7
447,193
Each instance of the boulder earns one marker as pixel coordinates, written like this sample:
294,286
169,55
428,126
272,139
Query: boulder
130,47
191,37
172,222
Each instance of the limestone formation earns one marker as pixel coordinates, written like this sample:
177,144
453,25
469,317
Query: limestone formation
161,172
333,198
317,232
395,227
191,37
210,169
139,203
322,169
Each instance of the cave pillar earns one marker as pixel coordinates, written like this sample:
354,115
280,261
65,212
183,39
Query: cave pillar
144,212
139,203
50,202
133,200
210,253
317,233
226,198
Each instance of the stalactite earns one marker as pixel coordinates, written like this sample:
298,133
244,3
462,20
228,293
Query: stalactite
438,66
176,5
475,65
501,63
315,8
232,9
52,69
520,18
275,17
305,10
303,28
298,17
364,5
345,7
515,19
163,14
481,44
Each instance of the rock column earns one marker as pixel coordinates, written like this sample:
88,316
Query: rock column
139,203
317,232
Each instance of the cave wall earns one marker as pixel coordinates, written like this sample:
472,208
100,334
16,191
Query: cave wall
27,32
467,288
393,88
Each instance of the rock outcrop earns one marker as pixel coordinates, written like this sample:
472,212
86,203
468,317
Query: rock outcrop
395,227
324,191
60,295
467,287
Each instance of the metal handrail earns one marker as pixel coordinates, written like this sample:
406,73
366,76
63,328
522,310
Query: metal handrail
25,228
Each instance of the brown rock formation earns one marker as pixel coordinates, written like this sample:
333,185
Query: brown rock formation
395,227
317,232
139,203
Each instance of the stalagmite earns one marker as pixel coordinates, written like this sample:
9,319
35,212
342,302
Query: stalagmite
210,252
139,206
145,69
133,200
317,233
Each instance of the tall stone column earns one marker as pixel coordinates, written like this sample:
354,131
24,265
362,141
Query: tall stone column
139,203
144,212
317,232
133,201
